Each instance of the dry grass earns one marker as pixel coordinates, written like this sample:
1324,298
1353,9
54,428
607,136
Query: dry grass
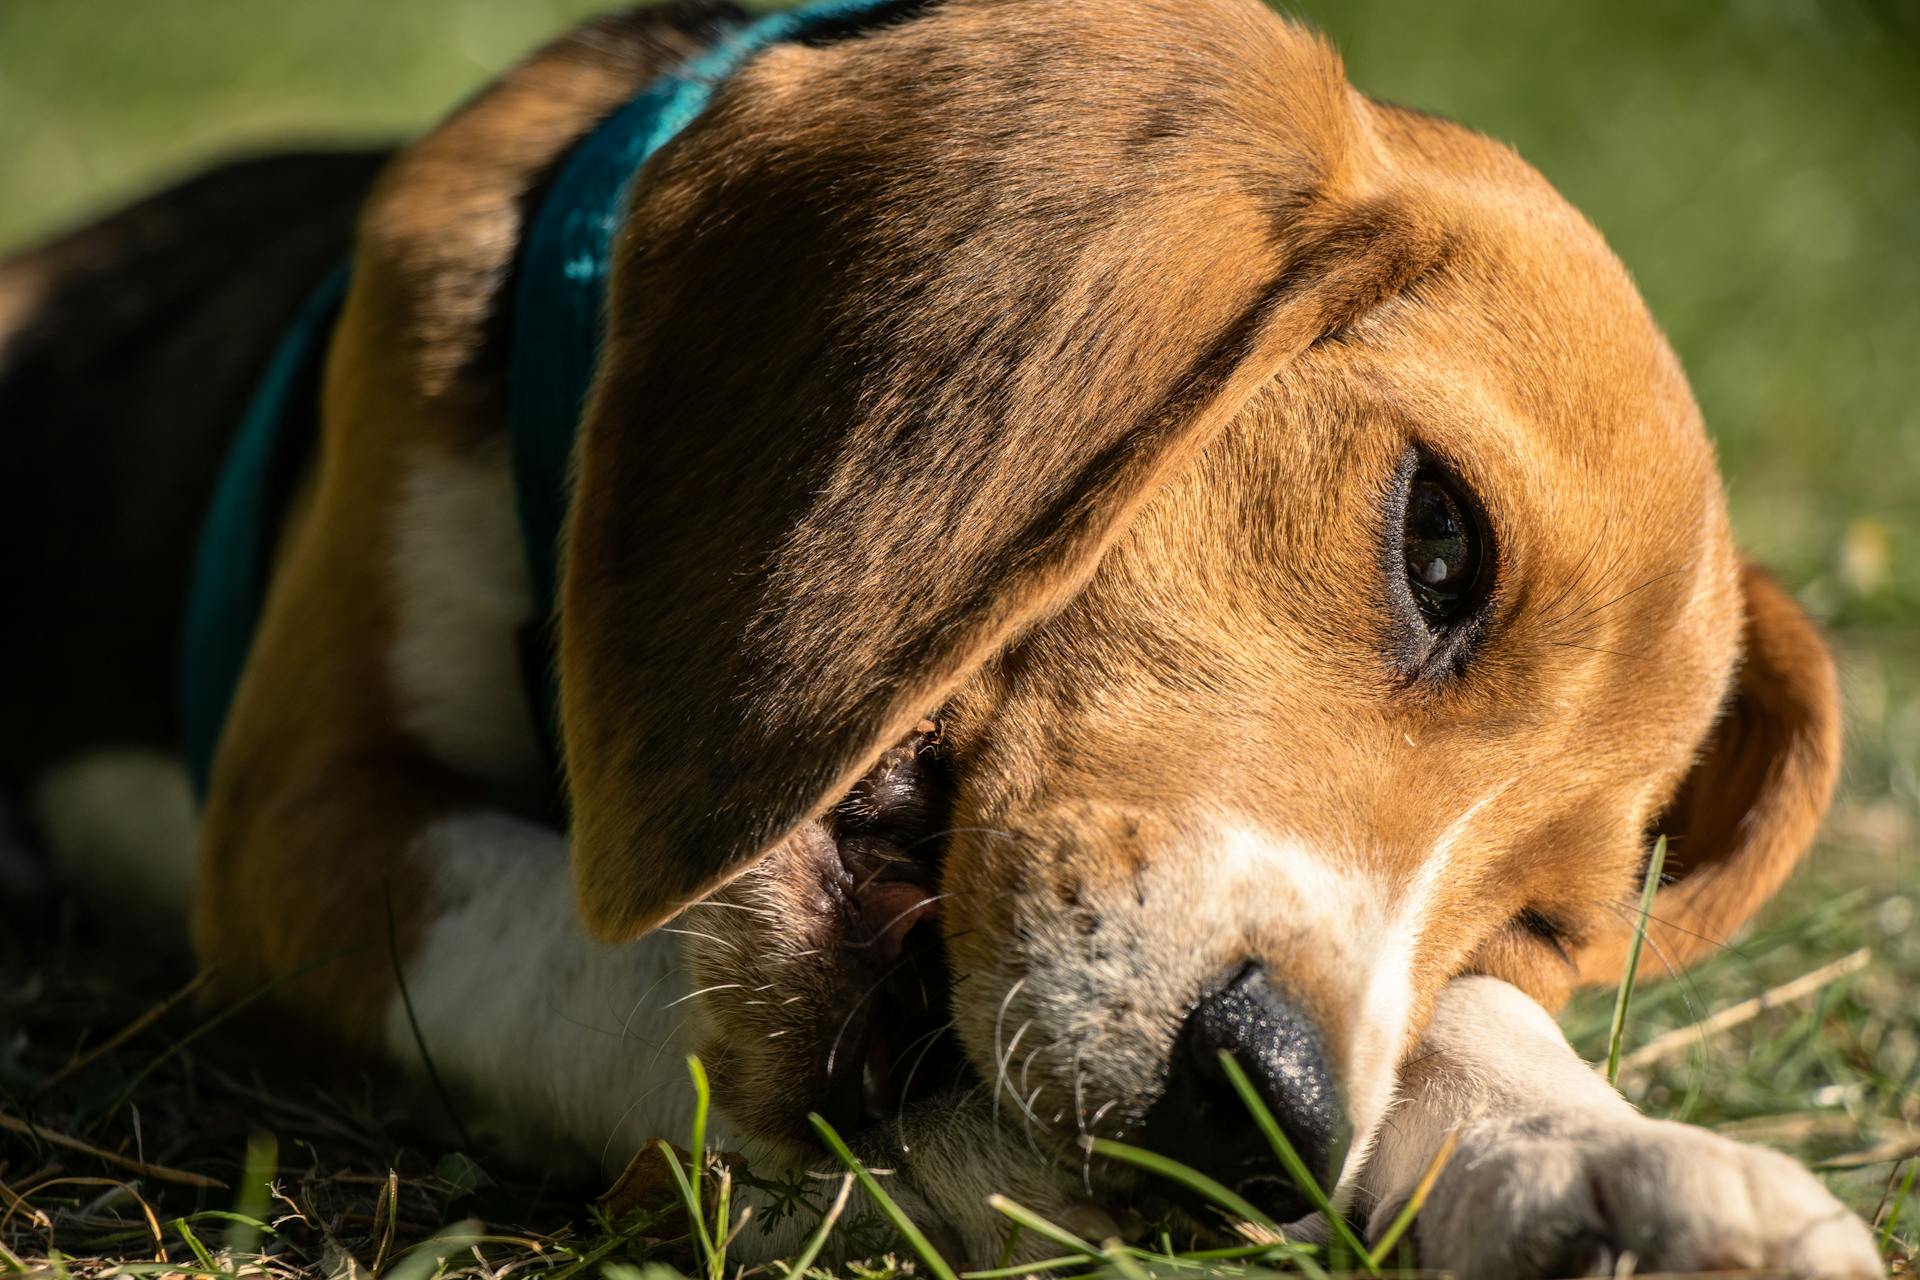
138,1134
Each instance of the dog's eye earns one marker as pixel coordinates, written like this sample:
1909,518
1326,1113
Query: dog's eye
1439,545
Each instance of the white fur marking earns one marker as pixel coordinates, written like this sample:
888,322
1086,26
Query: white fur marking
462,598
122,829
1346,914
547,1037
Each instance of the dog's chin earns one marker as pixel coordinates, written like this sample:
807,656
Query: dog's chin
833,968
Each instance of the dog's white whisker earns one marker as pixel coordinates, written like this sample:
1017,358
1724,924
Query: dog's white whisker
1079,1093
1013,1046
1026,1064
833,1049
704,991
718,904
999,1021
728,943
925,1044
882,930
1026,1109
1091,1131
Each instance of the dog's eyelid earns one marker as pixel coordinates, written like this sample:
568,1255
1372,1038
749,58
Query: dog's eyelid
1547,928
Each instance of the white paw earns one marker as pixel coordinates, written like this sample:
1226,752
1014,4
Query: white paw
1574,1194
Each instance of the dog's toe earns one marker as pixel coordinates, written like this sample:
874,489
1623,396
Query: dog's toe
1558,1196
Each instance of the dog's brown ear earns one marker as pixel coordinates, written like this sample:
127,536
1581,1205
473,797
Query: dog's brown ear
1748,810
902,332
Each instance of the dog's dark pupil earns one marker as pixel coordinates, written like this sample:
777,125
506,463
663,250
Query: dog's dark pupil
1438,546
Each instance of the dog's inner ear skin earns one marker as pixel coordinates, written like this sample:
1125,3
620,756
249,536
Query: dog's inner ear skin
890,832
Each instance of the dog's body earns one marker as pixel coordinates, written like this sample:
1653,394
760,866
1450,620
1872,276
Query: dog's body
1303,543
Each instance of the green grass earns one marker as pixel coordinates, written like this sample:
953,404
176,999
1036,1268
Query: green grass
1757,165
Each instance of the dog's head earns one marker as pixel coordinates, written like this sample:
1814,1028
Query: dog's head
1216,555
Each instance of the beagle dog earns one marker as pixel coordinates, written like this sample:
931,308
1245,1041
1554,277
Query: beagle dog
1090,543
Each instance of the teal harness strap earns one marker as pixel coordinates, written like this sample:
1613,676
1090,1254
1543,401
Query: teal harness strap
230,570
559,305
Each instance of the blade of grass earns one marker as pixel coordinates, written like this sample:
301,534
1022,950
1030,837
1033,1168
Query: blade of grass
798,1267
702,1097
193,1242
1295,1256
1694,1033
251,1204
160,1172
1296,1168
1625,995
1893,1213
1411,1209
1033,1222
1190,1178
423,1260
386,1210
687,1198
413,1024
1115,1252
1024,1268
871,1185
1007,1247
722,1215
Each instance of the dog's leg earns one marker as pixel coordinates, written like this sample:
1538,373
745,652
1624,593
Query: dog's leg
547,1033
1555,1173
556,1050
370,859
547,1039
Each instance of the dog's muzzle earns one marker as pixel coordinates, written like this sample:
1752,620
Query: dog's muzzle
1202,1121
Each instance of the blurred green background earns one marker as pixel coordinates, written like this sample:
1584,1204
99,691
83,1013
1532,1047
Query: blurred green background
1755,162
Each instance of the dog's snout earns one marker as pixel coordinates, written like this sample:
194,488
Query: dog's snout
1202,1121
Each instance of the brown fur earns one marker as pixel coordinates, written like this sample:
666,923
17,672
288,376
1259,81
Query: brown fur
1047,364
1000,355
317,794
1245,290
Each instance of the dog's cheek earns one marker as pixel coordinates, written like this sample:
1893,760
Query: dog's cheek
1064,964
983,939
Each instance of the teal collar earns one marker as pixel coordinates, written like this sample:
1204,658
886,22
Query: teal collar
558,307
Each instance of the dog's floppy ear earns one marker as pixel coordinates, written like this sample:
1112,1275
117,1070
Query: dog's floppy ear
1749,808
901,333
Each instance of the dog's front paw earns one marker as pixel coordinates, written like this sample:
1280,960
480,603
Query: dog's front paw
1571,1195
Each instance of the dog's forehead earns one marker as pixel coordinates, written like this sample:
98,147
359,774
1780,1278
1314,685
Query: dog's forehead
1253,586
1532,369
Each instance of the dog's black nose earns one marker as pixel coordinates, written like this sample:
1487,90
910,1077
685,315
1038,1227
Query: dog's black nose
1202,1121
